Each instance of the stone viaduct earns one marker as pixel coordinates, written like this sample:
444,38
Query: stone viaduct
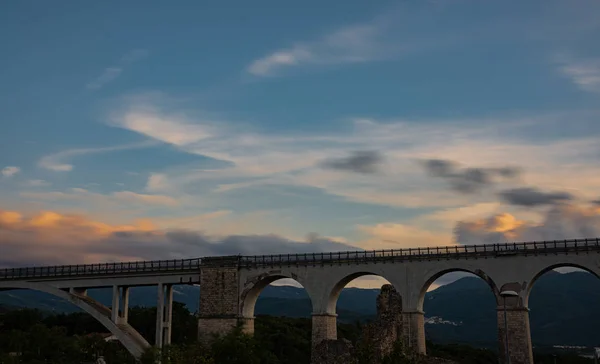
230,286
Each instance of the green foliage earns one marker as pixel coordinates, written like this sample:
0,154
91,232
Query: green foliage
31,337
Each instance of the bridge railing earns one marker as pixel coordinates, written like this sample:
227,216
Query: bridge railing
345,257
101,269
426,253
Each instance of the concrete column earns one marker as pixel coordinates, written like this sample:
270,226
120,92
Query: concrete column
413,326
115,305
324,327
125,304
168,319
160,314
519,336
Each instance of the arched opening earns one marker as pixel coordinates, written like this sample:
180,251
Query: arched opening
460,308
369,311
563,301
277,310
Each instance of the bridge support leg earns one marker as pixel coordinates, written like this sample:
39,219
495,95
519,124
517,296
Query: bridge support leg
164,315
519,336
124,304
114,316
414,330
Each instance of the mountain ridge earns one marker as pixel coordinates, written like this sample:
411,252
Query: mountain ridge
562,307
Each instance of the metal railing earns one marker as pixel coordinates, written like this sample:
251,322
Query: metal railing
426,253
102,269
346,257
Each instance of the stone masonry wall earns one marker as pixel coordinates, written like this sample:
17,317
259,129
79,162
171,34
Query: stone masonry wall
383,333
519,337
218,300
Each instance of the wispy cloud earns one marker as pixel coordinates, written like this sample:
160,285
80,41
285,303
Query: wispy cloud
353,44
252,159
585,73
118,197
37,183
10,171
57,161
111,73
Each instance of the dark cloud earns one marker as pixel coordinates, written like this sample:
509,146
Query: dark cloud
467,180
26,248
596,202
365,162
530,197
563,221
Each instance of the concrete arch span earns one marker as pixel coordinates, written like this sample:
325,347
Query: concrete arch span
125,333
251,292
595,272
335,292
435,276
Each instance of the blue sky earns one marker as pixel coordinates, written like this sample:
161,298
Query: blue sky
255,118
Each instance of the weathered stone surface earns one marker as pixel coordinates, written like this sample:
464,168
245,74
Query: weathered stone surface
519,342
334,352
387,329
218,301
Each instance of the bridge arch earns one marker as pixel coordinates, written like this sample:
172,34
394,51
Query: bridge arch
125,333
250,295
438,274
336,290
547,269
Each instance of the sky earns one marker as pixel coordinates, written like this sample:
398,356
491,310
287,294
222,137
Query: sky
153,130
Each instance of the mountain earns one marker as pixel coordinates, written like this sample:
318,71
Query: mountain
562,307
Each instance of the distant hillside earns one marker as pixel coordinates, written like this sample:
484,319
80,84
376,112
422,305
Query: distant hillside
562,308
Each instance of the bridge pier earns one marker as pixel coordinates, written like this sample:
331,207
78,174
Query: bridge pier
324,327
413,328
120,304
519,335
219,298
164,315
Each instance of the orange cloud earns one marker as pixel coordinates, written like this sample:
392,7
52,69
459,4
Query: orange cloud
559,222
48,221
50,237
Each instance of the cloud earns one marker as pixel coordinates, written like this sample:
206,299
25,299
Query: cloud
37,183
353,44
399,236
172,129
530,197
585,73
53,238
119,197
55,162
559,222
243,159
467,180
10,171
365,162
111,73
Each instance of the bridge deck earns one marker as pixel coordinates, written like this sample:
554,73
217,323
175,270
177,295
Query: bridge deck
346,257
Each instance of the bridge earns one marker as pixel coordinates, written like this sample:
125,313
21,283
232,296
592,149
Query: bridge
230,286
